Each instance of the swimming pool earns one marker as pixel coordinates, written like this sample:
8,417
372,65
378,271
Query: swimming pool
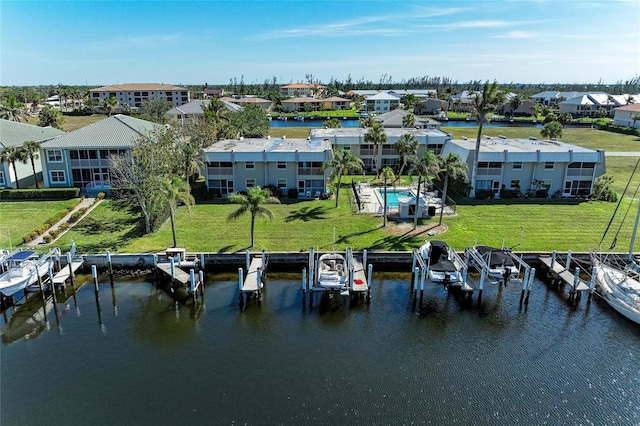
394,194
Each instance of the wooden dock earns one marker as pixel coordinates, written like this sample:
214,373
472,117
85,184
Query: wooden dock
359,279
181,279
576,283
64,274
252,283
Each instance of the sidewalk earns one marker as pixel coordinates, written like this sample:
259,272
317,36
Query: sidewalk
87,202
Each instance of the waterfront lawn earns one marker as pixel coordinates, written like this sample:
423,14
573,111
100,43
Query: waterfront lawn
73,122
18,218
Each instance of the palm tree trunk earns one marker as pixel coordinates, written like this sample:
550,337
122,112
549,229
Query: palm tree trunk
444,196
253,223
384,211
338,189
474,165
15,173
415,212
33,168
173,228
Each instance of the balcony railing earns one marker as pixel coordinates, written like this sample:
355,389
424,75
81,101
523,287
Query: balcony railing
310,171
490,171
218,171
580,172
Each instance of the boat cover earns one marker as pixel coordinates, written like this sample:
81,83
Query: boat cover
439,257
21,255
499,257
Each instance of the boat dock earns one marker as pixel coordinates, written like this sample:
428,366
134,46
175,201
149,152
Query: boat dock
253,283
559,274
191,281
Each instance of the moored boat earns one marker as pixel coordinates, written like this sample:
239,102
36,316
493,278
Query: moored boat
332,271
442,264
22,270
501,265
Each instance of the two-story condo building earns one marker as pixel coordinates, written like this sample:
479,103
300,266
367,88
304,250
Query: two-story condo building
134,94
530,165
352,138
382,102
81,158
16,134
301,89
238,164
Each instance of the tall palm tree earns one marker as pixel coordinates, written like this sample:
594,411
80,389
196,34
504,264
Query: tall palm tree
452,165
427,166
408,121
192,158
368,122
377,137
31,151
13,110
253,203
176,191
343,162
109,104
11,155
406,147
482,104
386,174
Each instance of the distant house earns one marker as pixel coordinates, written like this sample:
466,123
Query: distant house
418,93
462,101
395,118
525,108
304,103
135,94
335,103
382,102
301,89
195,109
16,134
530,165
81,158
352,139
430,106
239,164
264,104
628,116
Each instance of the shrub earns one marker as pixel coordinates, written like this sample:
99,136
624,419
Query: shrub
292,193
602,190
275,191
542,193
40,194
484,194
54,233
101,196
29,237
64,226
509,193
47,238
77,215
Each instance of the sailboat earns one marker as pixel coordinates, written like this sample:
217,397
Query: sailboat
618,280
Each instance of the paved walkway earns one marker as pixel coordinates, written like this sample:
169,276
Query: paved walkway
621,154
87,202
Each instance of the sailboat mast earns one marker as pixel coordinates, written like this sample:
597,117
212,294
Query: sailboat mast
633,234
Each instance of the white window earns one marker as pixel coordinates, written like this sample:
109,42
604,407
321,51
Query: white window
250,183
282,165
250,165
549,165
57,176
517,165
515,183
54,156
282,183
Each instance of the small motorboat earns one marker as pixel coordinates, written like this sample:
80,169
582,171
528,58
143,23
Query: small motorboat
332,271
444,266
501,265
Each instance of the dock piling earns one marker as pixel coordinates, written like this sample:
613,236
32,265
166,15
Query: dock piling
369,280
481,287
240,281
304,287
72,277
94,274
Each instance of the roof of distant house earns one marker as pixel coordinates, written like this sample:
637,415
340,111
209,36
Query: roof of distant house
303,86
320,133
13,133
383,96
302,100
630,107
336,99
246,100
532,144
128,87
195,107
112,132
269,145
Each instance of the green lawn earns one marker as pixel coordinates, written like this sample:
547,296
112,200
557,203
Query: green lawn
18,218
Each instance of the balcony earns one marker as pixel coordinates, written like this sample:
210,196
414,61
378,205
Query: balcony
310,171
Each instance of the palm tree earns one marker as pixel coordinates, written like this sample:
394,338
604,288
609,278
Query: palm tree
386,173
368,122
377,137
10,155
406,147
343,162
408,121
426,166
451,166
31,150
552,129
482,104
333,123
13,110
253,203
635,118
109,104
192,156
176,191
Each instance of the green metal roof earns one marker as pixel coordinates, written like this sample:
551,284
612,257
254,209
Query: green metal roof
13,133
118,131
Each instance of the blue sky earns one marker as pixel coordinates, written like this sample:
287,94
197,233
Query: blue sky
197,42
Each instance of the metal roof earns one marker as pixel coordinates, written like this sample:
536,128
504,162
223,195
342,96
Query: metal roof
118,131
13,133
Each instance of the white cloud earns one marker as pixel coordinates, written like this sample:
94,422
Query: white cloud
518,34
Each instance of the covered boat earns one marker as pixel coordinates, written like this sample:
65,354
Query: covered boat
501,265
443,266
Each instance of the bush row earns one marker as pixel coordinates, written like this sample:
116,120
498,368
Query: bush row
40,194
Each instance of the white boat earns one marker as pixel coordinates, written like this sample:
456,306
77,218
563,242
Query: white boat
332,271
618,280
501,265
21,270
442,263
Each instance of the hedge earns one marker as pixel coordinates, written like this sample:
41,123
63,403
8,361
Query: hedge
40,194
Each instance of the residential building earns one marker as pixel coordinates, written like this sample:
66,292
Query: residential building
135,94
82,158
382,102
531,164
239,164
395,119
336,103
628,116
352,138
264,104
304,103
195,109
430,106
301,89
15,134
587,105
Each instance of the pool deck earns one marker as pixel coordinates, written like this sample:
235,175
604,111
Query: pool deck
372,201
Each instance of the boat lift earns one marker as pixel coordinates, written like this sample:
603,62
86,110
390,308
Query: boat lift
482,265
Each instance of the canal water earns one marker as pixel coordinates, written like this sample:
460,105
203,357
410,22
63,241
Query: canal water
356,123
140,360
